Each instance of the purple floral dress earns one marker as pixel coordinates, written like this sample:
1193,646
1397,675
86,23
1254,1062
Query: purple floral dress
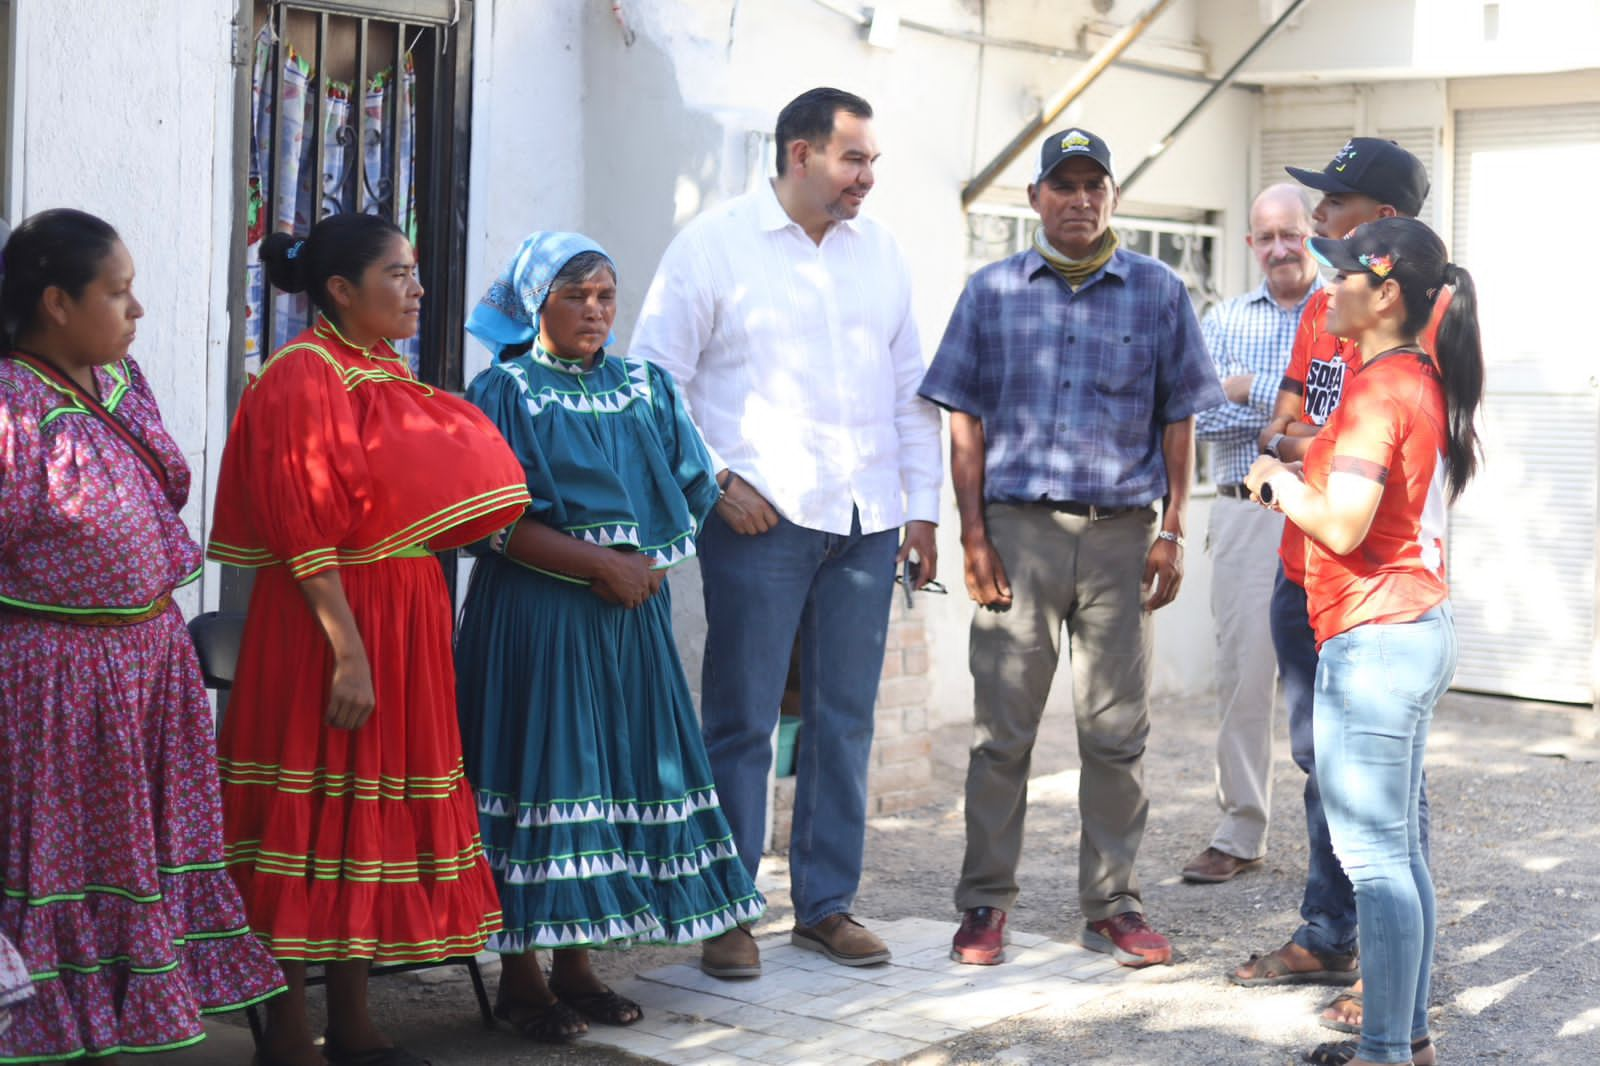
112,885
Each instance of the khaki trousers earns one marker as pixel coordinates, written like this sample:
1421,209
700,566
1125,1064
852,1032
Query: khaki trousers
1242,539
1085,576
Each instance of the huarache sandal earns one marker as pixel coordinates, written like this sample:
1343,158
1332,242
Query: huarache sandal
604,1006
1340,1052
1262,971
1337,1023
339,1055
543,1023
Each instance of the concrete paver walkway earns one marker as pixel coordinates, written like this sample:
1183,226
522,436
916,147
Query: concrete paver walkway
806,1009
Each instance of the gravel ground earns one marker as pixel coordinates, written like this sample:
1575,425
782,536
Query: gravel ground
1516,848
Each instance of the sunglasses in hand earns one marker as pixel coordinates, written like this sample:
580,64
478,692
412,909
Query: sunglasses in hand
910,571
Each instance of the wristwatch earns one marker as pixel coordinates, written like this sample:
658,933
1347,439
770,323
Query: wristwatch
1273,442
1167,534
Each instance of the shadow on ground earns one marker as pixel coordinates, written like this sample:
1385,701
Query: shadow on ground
1516,849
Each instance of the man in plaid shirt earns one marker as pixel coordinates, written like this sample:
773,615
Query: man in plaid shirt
1073,372
1250,338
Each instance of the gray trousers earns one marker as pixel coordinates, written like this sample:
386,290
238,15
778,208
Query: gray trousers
1243,543
1083,575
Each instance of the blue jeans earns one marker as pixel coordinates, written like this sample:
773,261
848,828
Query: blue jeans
834,591
1328,908
1376,689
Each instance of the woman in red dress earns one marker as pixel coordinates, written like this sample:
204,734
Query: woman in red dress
350,827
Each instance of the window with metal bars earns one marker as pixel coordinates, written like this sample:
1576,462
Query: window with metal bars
351,105
356,105
996,230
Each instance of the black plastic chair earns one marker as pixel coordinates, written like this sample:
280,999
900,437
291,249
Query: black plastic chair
217,636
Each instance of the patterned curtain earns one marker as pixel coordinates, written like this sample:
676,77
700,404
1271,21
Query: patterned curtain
297,135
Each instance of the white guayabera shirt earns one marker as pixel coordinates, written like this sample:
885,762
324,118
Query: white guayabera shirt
800,362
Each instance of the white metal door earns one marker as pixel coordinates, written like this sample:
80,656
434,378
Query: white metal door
1523,542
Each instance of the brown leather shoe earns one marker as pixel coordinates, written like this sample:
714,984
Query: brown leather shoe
1212,867
843,939
731,956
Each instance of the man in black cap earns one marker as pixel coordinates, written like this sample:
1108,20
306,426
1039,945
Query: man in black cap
1072,372
1368,179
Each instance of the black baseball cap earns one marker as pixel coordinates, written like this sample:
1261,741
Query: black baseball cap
1372,167
1059,147
1404,249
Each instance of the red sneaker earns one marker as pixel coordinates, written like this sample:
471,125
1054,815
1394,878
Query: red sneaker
981,940
1128,938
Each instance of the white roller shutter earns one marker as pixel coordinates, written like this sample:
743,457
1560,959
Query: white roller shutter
1312,148
1523,539
1308,148
1424,143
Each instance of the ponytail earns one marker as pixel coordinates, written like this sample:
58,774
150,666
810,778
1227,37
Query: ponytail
1459,350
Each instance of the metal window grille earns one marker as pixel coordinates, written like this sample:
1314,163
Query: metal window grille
433,38
995,231
402,52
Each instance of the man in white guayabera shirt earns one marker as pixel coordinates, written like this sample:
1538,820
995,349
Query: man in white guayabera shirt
786,318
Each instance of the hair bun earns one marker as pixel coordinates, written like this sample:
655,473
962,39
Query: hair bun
283,254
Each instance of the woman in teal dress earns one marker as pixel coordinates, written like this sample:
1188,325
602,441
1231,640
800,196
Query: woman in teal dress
595,796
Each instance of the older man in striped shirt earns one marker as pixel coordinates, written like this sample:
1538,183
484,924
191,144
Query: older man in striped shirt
1250,338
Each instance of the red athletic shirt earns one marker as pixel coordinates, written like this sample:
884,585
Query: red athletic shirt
1319,366
1389,428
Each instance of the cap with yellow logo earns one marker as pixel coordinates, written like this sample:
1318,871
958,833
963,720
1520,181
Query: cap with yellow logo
1059,147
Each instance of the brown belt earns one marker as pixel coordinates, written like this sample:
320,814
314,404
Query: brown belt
93,618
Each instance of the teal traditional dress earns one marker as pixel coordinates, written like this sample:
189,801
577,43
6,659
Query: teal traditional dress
595,797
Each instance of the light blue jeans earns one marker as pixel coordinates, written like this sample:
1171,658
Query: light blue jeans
834,590
1328,907
1376,689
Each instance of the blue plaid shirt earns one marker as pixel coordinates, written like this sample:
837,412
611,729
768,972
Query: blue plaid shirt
1074,388
1248,334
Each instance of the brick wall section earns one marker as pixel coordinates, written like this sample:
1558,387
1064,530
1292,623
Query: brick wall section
901,775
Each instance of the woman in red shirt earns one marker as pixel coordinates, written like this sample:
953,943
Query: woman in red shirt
1371,500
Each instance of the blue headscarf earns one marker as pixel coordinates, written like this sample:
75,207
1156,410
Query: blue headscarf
508,314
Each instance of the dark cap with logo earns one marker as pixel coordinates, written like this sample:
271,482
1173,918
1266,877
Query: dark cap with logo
1404,249
1372,167
1059,147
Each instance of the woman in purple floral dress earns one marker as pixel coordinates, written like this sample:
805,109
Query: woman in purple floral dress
112,886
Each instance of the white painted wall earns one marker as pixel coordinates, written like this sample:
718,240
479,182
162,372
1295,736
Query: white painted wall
1356,40
664,129
574,129
527,134
128,117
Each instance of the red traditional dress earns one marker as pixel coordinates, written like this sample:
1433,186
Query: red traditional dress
354,843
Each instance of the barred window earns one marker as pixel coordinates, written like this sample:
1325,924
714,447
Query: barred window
357,105
995,231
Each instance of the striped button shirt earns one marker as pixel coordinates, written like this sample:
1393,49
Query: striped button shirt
1248,334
